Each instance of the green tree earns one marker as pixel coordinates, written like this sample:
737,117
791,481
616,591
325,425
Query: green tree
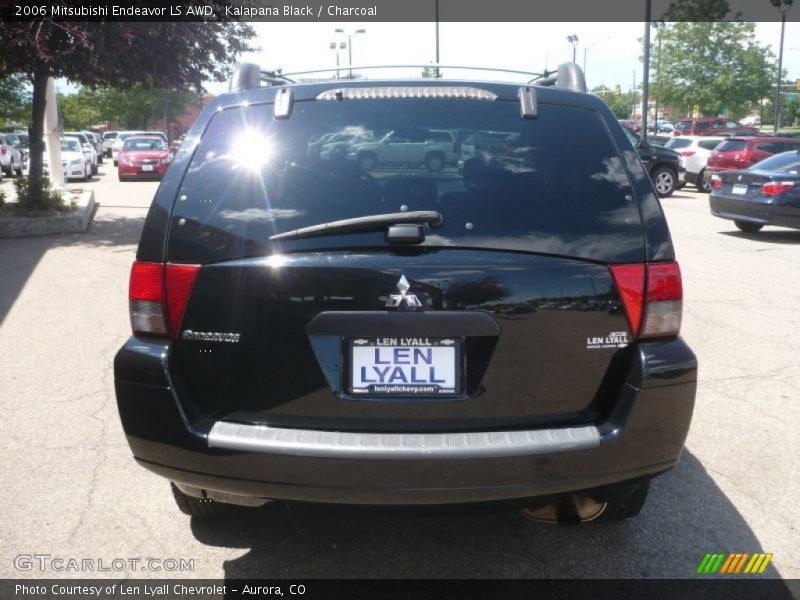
621,105
715,66
15,97
156,54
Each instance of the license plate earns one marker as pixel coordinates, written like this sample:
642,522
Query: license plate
147,167
682,176
397,366
739,189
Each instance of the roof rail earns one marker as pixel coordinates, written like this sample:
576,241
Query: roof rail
250,76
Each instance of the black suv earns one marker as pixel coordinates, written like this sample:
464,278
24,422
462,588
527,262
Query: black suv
663,164
305,329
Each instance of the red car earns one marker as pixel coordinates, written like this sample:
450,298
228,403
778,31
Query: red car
743,152
634,126
143,157
712,126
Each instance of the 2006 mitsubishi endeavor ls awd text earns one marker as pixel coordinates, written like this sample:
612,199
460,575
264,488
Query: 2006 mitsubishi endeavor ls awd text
314,329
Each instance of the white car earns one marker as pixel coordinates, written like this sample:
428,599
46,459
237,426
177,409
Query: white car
434,148
119,141
74,162
694,151
87,145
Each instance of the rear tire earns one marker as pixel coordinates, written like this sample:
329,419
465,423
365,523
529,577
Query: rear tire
198,507
748,227
704,184
434,162
627,507
664,180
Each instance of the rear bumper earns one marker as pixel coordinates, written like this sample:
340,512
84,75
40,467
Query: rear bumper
642,436
137,172
782,215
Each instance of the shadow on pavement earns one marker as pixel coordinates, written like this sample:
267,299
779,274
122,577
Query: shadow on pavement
686,516
20,256
770,236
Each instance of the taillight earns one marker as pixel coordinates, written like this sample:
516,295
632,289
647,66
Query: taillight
688,152
652,295
775,188
157,296
716,183
3,150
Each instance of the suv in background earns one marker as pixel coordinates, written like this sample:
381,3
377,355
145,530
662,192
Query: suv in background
662,163
347,332
108,142
719,126
407,147
694,151
742,152
95,141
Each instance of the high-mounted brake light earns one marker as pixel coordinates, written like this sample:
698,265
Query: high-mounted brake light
652,295
776,188
372,93
157,296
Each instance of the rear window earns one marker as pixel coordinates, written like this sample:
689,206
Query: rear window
143,144
708,144
786,162
110,135
683,125
557,187
732,145
678,143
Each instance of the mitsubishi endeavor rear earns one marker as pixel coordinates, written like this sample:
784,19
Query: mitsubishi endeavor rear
316,329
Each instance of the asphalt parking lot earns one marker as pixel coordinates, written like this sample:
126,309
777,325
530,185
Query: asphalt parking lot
72,489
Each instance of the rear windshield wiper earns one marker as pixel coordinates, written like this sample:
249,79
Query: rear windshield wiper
431,218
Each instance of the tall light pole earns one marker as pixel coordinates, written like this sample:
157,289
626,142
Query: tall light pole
573,39
646,74
437,39
589,47
658,25
336,47
350,37
783,7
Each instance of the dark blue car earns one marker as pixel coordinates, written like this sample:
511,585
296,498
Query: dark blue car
768,193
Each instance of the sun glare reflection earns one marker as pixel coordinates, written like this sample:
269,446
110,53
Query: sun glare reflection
252,150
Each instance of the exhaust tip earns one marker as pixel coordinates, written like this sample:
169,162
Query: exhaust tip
570,510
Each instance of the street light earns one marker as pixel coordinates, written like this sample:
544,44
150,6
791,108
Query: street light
350,37
783,7
659,25
333,46
573,39
589,47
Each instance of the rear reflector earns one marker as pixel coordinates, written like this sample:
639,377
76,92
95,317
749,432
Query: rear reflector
157,296
652,295
774,188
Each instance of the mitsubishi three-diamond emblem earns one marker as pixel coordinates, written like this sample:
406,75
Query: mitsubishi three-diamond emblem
397,300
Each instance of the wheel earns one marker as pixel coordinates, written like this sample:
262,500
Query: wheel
18,170
704,183
627,507
367,161
198,507
94,168
434,162
115,163
664,179
748,227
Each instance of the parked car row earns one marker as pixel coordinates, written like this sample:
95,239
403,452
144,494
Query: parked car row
12,158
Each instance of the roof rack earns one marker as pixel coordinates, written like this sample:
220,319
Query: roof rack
249,76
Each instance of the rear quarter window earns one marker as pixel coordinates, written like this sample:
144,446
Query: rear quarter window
557,186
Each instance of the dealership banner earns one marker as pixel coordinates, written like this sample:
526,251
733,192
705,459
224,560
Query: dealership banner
390,10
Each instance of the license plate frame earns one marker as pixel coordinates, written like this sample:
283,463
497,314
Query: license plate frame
397,388
739,189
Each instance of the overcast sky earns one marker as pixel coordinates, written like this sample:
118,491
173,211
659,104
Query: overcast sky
611,60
